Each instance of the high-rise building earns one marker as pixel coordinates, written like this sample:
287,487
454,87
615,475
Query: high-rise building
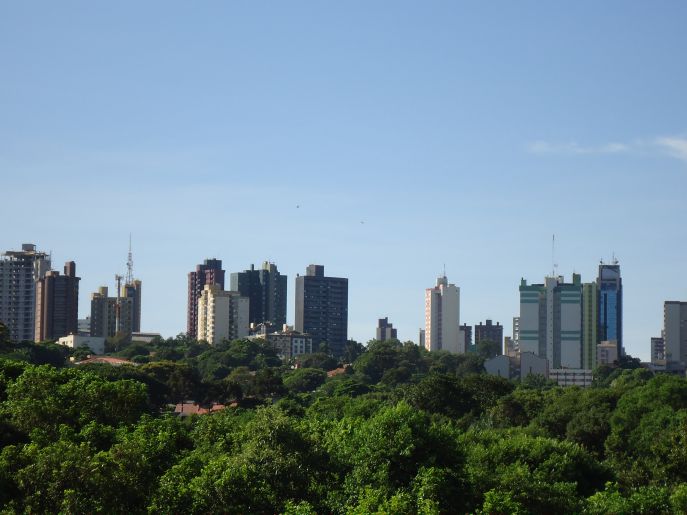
610,286
222,315
57,304
442,317
322,308
675,332
132,291
466,336
111,316
658,349
385,330
489,333
607,353
266,289
19,272
551,321
210,272
590,325
516,333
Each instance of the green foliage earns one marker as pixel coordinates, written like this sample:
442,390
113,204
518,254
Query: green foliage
305,379
401,431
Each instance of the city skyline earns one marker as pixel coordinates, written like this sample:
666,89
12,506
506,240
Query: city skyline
382,143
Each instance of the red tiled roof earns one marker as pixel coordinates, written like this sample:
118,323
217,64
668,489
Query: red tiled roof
191,408
106,359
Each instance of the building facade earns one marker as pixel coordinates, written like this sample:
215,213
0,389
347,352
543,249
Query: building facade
442,318
658,349
222,315
266,290
19,272
488,332
288,343
57,304
466,337
675,332
551,321
210,272
385,330
322,308
610,286
132,291
607,353
590,325
111,316
95,343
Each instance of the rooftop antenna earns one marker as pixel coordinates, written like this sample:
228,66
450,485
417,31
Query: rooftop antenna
554,265
130,265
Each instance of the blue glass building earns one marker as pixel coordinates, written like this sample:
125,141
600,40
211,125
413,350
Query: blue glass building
611,304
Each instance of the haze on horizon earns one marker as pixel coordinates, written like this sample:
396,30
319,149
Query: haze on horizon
461,134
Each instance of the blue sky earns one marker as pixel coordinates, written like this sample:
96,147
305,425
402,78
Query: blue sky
462,134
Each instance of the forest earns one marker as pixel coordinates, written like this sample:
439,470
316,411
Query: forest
398,430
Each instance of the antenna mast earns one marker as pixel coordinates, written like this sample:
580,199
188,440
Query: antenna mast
130,265
554,265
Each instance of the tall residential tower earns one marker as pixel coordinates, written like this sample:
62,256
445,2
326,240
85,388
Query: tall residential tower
266,289
57,304
551,321
610,286
442,317
19,272
322,308
210,272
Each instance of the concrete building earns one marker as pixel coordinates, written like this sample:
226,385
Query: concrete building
590,325
19,272
675,331
571,376
210,272
518,366
551,321
146,337
607,353
132,291
84,326
57,304
489,332
466,336
509,346
530,363
266,290
385,330
322,308
516,333
222,315
104,311
442,317
658,349
288,343
610,286
95,343
502,366
421,338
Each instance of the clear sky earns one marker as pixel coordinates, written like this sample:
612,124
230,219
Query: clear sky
412,135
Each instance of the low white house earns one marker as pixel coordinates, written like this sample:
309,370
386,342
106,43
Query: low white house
95,343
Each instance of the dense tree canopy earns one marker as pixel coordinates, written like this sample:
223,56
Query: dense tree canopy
400,430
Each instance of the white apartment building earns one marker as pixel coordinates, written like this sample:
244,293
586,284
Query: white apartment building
442,318
222,315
